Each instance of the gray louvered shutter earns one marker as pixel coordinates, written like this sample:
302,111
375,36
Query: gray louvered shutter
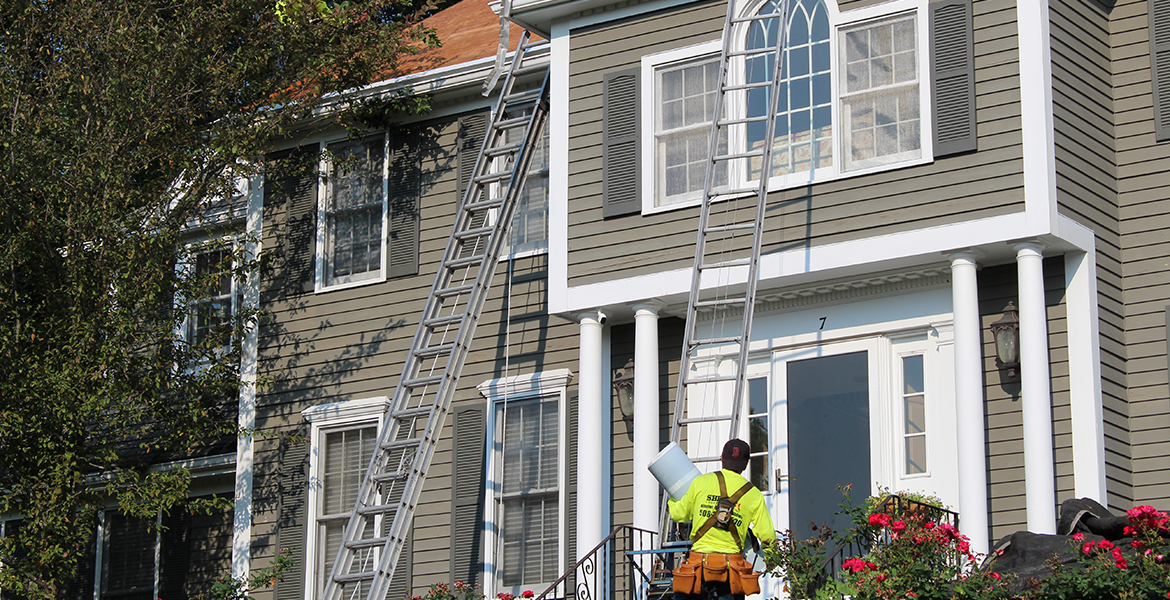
952,63
571,510
299,191
620,166
81,585
175,555
403,186
293,520
1160,66
469,435
472,128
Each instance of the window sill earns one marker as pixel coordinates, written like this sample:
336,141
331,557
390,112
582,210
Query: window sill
321,289
781,183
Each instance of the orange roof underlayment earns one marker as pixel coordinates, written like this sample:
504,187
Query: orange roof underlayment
468,31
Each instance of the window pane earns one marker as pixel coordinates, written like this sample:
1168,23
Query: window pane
354,210
915,414
915,454
912,374
529,513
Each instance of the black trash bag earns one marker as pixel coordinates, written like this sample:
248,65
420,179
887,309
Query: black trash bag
1025,556
1082,515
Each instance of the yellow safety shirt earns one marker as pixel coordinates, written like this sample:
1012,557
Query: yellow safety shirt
700,502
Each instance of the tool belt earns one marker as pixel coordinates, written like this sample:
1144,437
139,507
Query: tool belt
701,567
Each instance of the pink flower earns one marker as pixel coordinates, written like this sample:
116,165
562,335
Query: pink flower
964,546
1078,536
1105,545
928,525
528,594
1135,544
995,575
880,577
1087,547
879,519
898,525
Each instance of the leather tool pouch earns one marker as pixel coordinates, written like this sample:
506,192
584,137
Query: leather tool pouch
744,580
688,576
715,567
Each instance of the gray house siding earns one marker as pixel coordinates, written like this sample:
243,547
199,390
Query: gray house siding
1004,421
1086,179
962,187
348,344
1144,213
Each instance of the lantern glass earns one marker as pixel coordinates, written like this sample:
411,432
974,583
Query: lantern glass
1006,346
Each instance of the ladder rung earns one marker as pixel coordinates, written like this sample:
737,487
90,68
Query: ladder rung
719,340
514,122
474,232
756,17
746,86
400,444
748,154
485,204
395,476
493,177
723,302
457,263
354,577
433,351
739,262
524,69
750,51
410,413
701,459
705,419
526,96
377,509
365,544
726,195
418,382
454,290
744,120
501,150
711,379
443,321
732,227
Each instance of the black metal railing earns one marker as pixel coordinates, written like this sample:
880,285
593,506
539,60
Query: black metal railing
613,569
859,545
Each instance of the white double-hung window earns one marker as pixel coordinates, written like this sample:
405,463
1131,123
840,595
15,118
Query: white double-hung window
851,101
354,211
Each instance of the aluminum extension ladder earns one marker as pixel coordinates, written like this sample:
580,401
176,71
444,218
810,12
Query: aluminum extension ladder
413,421
724,258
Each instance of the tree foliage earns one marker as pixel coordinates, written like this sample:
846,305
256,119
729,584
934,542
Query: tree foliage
123,124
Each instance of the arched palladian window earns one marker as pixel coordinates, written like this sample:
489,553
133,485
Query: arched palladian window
804,116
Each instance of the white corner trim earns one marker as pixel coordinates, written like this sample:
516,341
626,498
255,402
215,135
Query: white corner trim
345,411
545,382
558,167
1037,135
246,420
1084,375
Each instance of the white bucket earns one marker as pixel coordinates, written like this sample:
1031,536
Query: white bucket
674,470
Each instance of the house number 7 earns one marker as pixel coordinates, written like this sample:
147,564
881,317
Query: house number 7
822,323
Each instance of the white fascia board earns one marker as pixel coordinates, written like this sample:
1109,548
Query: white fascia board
887,248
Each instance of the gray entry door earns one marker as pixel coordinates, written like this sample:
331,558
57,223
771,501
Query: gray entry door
823,422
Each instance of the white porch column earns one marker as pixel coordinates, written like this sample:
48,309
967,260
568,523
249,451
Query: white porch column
969,401
646,391
1035,391
591,409
1084,376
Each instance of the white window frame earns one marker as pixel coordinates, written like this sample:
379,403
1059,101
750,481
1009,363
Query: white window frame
838,23
499,392
231,243
538,247
324,419
902,346
324,281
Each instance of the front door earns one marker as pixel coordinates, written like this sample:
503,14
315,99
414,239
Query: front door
824,433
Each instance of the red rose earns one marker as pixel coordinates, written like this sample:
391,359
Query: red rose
1135,544
1105,545
898,525
1078,536
1087,548
995,575
528,594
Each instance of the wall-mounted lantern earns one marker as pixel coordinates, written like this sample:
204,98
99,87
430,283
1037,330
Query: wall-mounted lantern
623,386
1007,339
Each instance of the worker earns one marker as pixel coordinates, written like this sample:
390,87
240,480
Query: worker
720,506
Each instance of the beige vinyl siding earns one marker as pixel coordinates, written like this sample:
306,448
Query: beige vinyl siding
1005,434
1144,213
349,344
963,187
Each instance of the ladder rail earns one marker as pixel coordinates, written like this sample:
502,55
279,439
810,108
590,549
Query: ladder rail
414,459
735,28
